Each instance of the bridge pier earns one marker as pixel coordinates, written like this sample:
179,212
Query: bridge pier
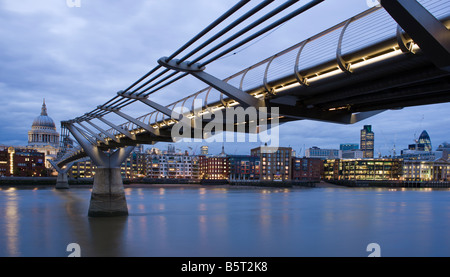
62,181
108,196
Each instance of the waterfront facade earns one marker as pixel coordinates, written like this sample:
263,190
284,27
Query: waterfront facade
243,167
306,169
275,163
426,170
22,162
169,164
363,169
214,168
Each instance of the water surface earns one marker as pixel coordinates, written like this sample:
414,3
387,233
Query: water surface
191,221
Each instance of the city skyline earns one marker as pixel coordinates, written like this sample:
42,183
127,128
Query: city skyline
75,57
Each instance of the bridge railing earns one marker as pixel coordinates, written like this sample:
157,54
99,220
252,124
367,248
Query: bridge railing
349,44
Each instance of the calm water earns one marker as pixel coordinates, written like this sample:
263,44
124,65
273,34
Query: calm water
195,221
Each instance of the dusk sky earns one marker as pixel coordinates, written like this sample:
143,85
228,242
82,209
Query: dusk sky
78,58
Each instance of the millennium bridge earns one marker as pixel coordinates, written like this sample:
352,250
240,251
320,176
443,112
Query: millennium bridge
391,56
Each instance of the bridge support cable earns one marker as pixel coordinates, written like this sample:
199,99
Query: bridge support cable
154,105
245,99
259,33
106,133
225,30
118,102
92,133
117,128
124,102
211,26
133,120
429,33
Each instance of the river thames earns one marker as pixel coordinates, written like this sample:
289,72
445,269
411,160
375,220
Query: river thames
225,221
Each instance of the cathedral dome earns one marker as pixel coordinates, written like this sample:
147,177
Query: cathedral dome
43,132
44,120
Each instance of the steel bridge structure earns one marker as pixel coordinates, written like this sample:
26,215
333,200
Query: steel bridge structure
388,57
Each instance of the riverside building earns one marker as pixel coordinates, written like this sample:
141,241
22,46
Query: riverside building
275,163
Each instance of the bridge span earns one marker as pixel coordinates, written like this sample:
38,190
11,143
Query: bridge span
388,57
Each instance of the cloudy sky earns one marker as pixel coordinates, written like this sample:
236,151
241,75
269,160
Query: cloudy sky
79,57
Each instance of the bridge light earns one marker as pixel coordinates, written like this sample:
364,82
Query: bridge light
377,58
325,75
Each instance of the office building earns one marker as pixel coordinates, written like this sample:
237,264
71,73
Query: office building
367,141
352,154
82,169
316,152
363,169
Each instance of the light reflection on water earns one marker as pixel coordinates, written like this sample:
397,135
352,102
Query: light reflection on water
228,221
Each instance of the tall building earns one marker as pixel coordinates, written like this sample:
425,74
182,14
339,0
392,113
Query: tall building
275,163
424,139
43,136
367,141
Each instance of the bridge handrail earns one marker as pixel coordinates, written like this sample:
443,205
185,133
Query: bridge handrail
383,34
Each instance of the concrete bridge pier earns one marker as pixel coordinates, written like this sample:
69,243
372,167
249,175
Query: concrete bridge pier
62,181
108,195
